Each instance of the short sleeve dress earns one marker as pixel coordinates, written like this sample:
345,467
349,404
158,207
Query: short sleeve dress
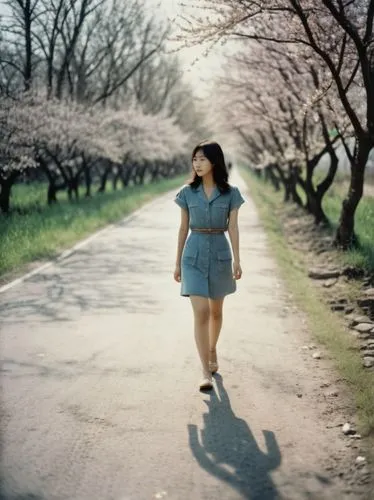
206,267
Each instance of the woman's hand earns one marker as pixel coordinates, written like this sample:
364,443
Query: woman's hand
237,271
177,274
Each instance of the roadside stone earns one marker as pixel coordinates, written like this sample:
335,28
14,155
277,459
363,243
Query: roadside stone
331,394
368,362
337,307
309,347
161,494
364,327
360,461
330,283
363,336
351,316
366,302
299,395
366,346
369,292
355,320
316,355
325,384
323,274
349,310
368,352
347,429
338,301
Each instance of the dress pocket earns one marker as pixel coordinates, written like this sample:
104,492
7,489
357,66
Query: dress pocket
224,258
220,212
196,214
190,256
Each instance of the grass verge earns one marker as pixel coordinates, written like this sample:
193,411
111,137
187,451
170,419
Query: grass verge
43,232
327,327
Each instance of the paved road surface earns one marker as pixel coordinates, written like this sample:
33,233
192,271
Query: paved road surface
100,373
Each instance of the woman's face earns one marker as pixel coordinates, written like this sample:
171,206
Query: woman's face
201,164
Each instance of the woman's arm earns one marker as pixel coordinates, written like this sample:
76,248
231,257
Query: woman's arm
182,235
233,231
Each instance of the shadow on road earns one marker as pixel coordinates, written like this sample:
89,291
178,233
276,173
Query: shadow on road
100,277
23,496
229,451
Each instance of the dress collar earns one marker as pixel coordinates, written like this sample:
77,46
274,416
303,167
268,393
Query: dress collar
215,194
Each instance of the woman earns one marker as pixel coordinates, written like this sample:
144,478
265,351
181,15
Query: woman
209,207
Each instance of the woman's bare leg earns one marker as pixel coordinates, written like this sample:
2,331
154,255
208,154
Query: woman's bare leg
215,325
200,306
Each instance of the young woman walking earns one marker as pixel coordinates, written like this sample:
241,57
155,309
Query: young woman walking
204,264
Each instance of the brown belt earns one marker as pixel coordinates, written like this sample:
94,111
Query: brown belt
208,230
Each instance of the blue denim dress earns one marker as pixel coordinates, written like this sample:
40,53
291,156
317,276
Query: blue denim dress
206,267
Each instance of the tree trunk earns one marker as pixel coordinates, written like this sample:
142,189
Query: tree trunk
103,180
142,173
126,176
73,189
344,237
272,177
281,179
117,177
324,186
88,181
6,189
76,188
314,207
52,181
28,44
314,197
293,181
290,182
52,191
154,174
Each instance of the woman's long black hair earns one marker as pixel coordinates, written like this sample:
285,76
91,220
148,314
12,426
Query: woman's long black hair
213,151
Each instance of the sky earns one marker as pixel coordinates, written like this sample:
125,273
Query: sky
198,68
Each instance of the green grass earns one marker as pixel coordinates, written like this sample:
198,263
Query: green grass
42,232
325,326
33,196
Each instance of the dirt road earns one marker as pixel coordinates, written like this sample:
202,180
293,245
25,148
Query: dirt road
100,373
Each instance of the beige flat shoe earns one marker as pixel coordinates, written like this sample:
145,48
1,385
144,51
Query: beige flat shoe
213,367
206,384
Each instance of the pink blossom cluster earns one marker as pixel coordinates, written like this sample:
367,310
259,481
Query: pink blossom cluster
33,126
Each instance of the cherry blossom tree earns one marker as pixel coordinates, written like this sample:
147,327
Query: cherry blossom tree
16,151
65,139
95,96
339,34
290,128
